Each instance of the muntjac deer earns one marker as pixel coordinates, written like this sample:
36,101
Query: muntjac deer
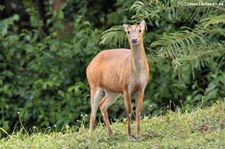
119,71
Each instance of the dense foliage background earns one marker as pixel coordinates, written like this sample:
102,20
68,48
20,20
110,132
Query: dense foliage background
46,45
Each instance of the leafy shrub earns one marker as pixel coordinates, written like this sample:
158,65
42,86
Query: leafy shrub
45,80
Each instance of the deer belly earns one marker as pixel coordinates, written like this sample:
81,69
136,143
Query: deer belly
111,83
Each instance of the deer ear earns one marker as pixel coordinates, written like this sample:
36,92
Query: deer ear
125,26
142,23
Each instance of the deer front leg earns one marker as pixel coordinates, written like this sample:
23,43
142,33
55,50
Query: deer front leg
139,102
128,105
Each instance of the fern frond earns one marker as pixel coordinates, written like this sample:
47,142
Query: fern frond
171,10
171,44
114,36
201,55
213,19
150,9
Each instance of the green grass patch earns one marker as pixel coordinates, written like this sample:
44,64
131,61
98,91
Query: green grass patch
203,128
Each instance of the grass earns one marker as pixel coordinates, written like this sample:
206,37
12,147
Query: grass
203,128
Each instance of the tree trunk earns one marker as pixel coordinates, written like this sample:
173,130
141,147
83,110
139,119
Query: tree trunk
42,14
57,4
67,26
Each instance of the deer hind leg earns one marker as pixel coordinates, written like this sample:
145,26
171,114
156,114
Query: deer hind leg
96,95
108,100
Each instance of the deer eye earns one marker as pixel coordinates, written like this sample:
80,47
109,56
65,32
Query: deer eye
128,32
139,31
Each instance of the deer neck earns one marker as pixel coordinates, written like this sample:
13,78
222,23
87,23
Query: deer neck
139,59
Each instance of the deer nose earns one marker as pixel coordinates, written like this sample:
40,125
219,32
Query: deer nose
134,41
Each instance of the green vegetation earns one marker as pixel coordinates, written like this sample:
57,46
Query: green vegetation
46,45
203,128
